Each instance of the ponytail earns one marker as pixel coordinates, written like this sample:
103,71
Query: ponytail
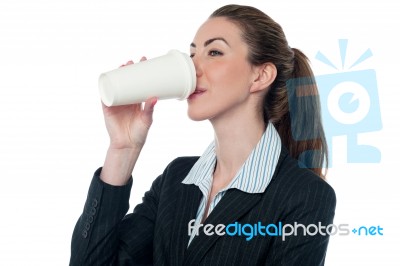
292,102
299,123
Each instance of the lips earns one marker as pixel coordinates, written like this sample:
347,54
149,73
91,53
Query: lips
197,92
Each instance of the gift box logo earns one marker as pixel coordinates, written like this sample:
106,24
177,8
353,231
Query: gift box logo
349,104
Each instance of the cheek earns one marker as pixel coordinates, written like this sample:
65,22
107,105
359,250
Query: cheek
231,76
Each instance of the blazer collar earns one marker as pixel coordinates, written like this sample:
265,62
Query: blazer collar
230,209
232,206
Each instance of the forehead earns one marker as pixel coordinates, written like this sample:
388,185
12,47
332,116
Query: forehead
218,27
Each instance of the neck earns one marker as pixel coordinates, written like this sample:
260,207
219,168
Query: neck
236,134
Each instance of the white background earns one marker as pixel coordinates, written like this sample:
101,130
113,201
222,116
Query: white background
52,136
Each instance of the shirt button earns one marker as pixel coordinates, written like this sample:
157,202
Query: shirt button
84,233
93,211
90,219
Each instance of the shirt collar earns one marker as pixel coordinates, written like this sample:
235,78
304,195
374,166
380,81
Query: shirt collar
256,172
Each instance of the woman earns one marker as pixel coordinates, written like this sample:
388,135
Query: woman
246,176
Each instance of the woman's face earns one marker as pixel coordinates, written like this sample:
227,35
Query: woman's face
224,76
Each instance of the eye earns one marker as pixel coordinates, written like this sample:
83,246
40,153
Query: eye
214,53
191,55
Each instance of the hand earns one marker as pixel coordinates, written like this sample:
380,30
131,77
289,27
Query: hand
128,125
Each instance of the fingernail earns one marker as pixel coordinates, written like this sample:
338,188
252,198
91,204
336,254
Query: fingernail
153,102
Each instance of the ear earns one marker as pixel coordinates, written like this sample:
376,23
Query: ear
264,76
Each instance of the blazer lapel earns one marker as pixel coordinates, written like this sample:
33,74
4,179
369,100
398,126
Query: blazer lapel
188,201
233,205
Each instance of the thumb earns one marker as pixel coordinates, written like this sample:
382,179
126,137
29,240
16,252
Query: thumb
149,108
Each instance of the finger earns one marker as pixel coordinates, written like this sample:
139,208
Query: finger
103,105
149,106
106,109
130,62
143,59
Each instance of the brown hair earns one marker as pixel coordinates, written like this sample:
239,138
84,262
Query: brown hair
292,102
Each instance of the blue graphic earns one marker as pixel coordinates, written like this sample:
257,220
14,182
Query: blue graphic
349,106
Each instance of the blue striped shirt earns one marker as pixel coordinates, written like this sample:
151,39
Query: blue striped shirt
253,177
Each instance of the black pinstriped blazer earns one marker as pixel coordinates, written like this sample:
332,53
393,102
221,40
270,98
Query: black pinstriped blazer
156,233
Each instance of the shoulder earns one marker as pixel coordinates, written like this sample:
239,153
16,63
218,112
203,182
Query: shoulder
181,165
178,169
297,185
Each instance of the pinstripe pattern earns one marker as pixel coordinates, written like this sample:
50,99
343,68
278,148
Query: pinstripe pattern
253,177
156,232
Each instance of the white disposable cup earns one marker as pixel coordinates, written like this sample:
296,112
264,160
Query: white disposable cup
171,76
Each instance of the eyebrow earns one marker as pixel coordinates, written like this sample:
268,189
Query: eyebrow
210,41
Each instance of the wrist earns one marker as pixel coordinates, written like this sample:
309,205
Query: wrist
124,151
115,146
118,165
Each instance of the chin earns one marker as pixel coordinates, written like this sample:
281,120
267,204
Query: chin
197,115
